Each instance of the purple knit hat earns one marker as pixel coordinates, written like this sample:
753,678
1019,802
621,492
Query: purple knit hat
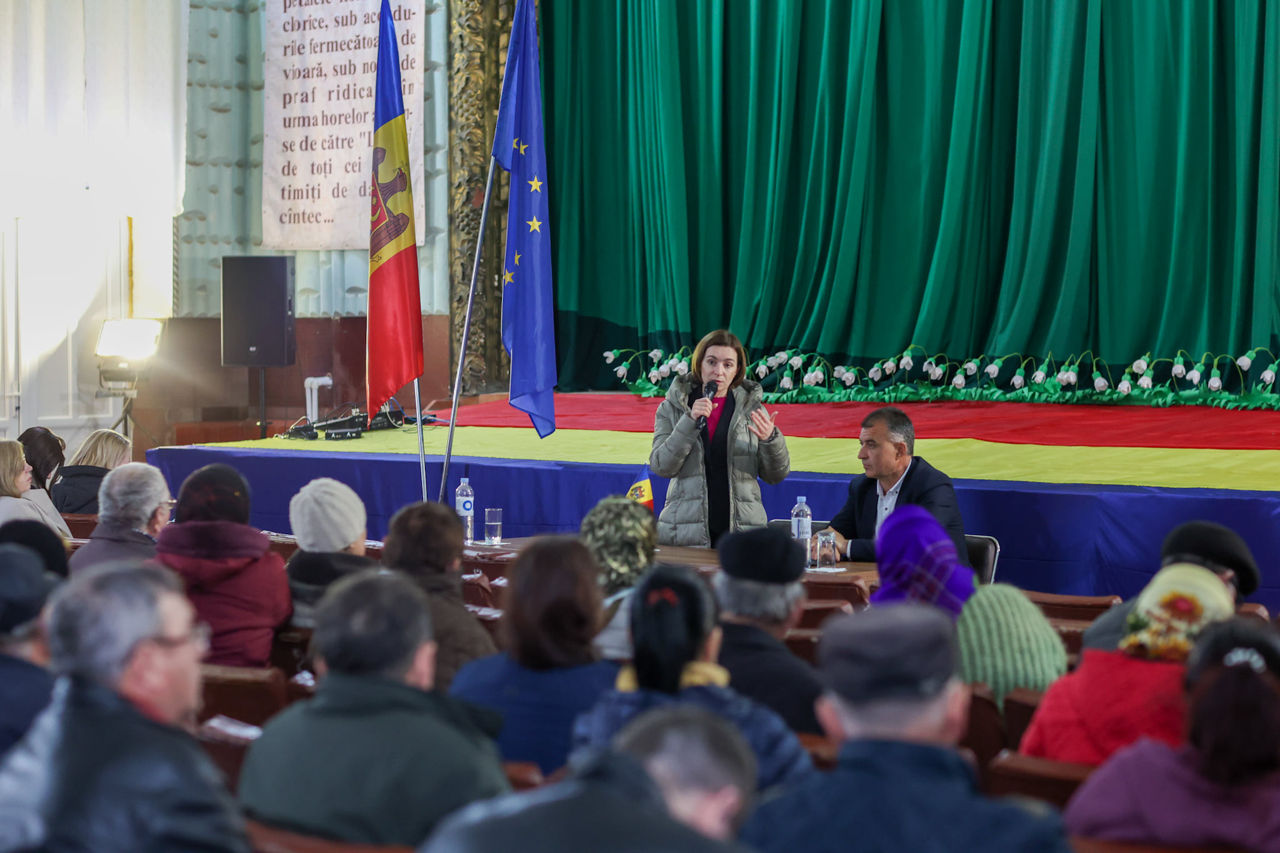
917,562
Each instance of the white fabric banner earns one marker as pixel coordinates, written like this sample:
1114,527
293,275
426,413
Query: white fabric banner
319,68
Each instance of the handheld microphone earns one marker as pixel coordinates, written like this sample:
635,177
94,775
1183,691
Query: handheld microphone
708,390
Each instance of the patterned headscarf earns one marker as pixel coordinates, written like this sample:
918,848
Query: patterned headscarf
622,537
1173,609
917,561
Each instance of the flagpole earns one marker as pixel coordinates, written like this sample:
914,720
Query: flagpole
466,335
422,452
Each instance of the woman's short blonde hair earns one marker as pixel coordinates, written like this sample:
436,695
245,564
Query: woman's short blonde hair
12,461
720,338
104,448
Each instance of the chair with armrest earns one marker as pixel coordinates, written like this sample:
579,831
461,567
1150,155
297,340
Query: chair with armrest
249,694
983,552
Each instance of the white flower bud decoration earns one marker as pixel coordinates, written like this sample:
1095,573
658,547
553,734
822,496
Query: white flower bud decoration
1144,381
609,357
664,371
875,373
889,366
849,378
780,355
992,370
1215,383
1125,386
906,363
1268,376
936,373
762,371
807,379
1018,381
1245,362
1038,377
654,376
655,354
796,361
971,367
928,366
1100,384
681,368
1061,378
1179,370
621,371
1194,376
958,381
1072,376
819,377
1140,366
839,371
785,383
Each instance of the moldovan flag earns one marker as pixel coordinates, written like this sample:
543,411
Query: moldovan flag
641,490
528,309
393,348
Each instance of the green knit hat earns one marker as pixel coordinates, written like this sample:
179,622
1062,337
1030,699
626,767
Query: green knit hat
622,537
1006,642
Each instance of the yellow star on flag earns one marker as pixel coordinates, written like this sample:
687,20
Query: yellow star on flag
517,259
515,144
534,225
508,277
523,146
535,185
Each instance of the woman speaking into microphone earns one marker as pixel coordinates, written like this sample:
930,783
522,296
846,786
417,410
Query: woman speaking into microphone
713,437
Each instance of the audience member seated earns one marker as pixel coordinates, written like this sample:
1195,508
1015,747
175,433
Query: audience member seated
39,537
77,488
1201,543
892,477
1222,789
133,507
1114,698
677,639
622,536
107,767
917,561
19,498
677,779
44,450
761,597
1006,642
328,519
377,757
25,682
550,672
424,541
897,709
235,580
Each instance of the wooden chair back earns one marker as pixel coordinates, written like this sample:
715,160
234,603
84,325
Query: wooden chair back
268,839
985,737
1019,707
803,643
1072,633
1081,607
819,610
853,590
1038,778
248,694
291,650
477,590
80,524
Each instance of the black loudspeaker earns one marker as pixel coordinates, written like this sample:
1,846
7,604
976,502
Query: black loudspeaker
257,311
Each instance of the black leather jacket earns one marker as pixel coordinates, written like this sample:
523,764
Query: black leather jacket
610,803
93,773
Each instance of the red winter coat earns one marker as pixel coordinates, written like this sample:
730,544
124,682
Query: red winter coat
1109,702
236,583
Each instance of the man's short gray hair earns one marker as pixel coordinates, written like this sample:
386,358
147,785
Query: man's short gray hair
889,718
896,421
98,618
130,494
770,603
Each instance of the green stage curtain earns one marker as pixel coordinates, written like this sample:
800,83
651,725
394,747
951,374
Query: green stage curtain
973,176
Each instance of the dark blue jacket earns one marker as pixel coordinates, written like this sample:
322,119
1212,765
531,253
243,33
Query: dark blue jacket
765,671
923,485
780,759
898,797
538,707
24,692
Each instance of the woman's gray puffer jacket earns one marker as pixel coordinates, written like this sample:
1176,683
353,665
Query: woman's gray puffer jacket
677,454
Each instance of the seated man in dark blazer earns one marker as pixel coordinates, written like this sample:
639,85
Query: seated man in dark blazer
893,476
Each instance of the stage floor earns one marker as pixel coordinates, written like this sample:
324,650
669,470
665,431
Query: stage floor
1079,496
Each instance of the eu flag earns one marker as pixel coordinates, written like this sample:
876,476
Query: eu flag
528,312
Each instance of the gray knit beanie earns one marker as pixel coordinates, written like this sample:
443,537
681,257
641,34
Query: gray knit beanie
326,516
1006,642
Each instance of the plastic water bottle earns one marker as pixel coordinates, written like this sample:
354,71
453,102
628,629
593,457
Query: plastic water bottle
464,501
802,523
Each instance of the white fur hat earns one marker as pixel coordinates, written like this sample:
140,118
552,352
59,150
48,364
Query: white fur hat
326,516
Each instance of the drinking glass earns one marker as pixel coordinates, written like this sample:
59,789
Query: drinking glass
493,526
827,549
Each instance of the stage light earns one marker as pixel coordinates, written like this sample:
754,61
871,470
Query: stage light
124,347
